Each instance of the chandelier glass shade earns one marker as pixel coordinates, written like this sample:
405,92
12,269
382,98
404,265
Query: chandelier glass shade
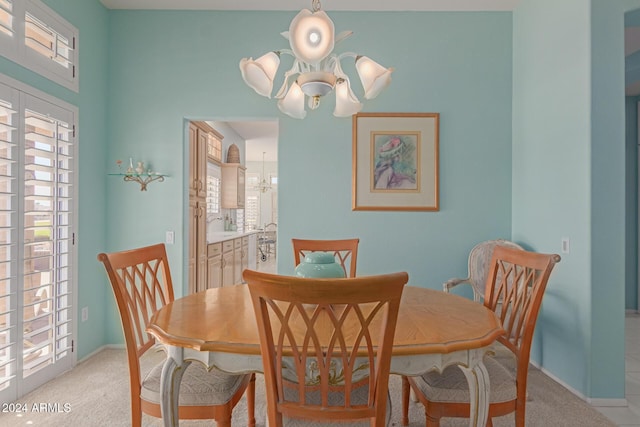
316,69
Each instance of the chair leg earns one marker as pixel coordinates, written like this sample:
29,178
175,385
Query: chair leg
520,416
136,410
405,400
251,401
431,422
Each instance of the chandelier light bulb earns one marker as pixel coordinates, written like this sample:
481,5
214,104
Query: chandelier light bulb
311,36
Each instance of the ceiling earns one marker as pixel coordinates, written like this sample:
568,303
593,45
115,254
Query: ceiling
262,136
328,5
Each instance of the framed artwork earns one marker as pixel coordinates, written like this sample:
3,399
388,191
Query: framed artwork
395,162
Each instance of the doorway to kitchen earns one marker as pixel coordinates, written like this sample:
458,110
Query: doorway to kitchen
261,206
257,141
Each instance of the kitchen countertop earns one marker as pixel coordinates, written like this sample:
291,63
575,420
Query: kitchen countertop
221,236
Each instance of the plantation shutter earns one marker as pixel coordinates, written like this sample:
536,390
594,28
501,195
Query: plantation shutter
49,42
37,220
48,160
8,236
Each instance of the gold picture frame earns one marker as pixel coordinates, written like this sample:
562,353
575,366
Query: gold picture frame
395,162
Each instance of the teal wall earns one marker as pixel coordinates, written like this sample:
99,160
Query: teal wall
608,201
167,66
551,191
569,100
549,77
92,19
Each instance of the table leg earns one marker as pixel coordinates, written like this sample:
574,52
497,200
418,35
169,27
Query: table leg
479,386
170,378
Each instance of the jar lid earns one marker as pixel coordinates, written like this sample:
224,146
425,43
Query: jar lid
319,258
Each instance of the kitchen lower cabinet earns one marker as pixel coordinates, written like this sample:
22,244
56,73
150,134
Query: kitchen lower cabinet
244,263
197,245
227,263
214,265
237,260
227,260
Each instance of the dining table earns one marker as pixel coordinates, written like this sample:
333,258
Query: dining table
217,327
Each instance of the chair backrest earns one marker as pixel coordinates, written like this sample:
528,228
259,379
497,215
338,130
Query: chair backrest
515,286
328,340
479,259
271,231
141,282
345,251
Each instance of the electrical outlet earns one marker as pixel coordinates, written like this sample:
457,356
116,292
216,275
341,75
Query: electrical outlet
85,314
566,245
169,237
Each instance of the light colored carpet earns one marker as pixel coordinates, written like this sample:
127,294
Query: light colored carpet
97,394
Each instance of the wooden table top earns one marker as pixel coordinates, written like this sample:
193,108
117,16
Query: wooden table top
222,319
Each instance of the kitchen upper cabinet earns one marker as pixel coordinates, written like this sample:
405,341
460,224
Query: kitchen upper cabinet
205,144
233,181
214,146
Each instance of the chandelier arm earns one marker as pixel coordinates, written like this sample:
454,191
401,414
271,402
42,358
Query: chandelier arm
329,63
286,52
338,71
343,35
295,69
347,55
337,63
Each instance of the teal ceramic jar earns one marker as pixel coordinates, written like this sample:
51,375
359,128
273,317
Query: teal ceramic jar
319,265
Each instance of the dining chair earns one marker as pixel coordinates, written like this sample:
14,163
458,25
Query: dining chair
141,282
267,240
326,347
515,286
479,258
345,251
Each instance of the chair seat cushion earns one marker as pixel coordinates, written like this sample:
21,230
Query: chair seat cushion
198,387
452,387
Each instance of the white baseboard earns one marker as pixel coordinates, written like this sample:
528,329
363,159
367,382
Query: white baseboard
99,349
591,401
608,402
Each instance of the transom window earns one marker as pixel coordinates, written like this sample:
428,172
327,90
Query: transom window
34,36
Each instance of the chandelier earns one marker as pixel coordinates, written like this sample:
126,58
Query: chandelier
263,186
316,69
